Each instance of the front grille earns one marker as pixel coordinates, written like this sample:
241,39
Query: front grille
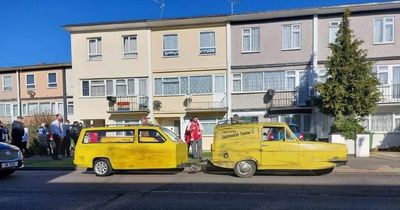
8,154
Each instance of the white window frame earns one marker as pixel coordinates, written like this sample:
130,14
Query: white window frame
94,56
383,32
291,47
179,85
70,104
203,50
34,82
136,86
130,54
51,83
6,114
8,87
251,39
332,25
166,50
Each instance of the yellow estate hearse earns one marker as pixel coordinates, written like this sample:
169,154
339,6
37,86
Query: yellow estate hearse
129,147
247,147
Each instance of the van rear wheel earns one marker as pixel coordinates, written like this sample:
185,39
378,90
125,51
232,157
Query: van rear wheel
102,167
245,168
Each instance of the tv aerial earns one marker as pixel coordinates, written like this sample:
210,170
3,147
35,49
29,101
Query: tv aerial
162,6
233,4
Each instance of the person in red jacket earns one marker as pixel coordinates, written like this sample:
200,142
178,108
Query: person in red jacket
188,135
196,130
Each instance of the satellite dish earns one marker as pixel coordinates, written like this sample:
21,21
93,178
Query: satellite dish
31,93
156,105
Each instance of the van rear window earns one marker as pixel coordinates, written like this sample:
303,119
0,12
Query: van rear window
109,136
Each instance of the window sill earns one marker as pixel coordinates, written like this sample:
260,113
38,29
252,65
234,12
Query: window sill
250,52
383,43
129,58
51,87
171,56
292,49
210,54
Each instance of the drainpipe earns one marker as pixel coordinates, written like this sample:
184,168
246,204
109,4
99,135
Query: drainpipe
315,63
229,85
150,76
64,79
19,93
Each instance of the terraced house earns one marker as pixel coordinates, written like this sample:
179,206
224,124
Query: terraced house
36,89
262,66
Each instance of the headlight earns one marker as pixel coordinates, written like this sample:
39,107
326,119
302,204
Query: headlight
20,154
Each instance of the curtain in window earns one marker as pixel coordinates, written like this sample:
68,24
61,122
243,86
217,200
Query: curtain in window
32,108
201,84
296,36
120,88
110,87
184,83
85,88
45,107
237,83
131,86
207,39
171,86
92,46
286,38
98,46
15,110
142,87
130,44
274,80
396,82
170,42
381,122
252,81
98,88
219,85
389,30
378,30
333,34
246,40
158,86
255,37
2,110
60,107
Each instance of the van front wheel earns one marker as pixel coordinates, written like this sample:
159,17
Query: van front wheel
245,168
102,167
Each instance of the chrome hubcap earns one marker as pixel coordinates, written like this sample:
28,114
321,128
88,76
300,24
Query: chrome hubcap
244,167
101,167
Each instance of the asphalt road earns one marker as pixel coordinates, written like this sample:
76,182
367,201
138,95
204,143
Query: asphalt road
181,190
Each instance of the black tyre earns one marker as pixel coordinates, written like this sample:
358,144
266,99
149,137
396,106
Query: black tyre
6,172
102,167
245,168
323,171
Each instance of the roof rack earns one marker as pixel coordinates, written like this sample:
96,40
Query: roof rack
129,124
237,120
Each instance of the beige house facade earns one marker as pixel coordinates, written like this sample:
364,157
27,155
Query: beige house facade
262,66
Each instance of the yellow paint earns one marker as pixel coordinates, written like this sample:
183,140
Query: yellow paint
127,152
234,143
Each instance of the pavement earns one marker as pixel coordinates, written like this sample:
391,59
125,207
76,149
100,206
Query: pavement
378,162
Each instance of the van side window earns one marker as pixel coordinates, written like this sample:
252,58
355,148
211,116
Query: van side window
150,136
109,136
273,134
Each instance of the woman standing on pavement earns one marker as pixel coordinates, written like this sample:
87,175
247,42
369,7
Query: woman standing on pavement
196,130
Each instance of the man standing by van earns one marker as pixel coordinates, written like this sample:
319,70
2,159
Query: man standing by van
56,129
196,130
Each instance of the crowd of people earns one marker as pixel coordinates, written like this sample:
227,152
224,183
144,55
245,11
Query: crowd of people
60,137
54,140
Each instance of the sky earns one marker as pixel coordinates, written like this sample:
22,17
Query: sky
31,31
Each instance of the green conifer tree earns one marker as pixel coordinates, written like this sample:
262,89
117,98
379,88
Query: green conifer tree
351,88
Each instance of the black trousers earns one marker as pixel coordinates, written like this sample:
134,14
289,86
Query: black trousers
65,145
56,150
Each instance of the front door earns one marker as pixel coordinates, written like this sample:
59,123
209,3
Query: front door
279,149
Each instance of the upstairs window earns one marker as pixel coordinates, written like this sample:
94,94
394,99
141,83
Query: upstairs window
52,80
7,83
30,81
251,40
207,43
130,46
333,30
291,36
170,45
94,49
383,30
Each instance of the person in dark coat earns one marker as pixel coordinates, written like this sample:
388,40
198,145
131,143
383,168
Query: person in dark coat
17,132
66,140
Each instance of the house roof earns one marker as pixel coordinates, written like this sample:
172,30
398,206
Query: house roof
215,19
36,67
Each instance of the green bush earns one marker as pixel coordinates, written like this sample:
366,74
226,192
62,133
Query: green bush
348,126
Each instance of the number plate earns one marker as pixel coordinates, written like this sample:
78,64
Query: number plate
9,164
